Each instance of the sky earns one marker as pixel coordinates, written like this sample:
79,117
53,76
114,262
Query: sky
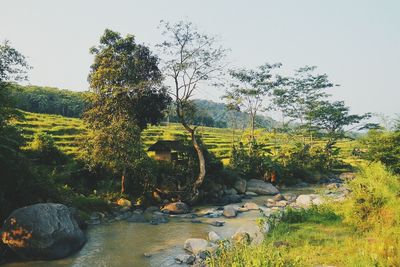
357,42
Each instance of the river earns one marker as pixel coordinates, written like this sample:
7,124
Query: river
124,244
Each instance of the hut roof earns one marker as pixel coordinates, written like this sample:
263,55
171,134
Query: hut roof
166,145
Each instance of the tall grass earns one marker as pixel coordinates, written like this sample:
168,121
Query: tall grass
362,231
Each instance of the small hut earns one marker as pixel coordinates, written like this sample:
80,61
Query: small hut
166,150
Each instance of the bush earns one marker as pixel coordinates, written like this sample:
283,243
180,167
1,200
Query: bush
89,204
374,201
315,214
44,148
252,163
383,146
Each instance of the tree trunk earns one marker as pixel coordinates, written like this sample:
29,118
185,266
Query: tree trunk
123,181
202,163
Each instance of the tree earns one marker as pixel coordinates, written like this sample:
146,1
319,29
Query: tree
250,89
126,95
13,67
190,59
332,118
298,95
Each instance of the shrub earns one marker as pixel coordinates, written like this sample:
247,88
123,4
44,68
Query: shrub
90,203
44,148
374,201
252,163
383,146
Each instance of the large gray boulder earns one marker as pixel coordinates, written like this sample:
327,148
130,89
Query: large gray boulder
43,231
240,186
261,187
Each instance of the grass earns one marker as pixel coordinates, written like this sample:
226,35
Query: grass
362,231
67,133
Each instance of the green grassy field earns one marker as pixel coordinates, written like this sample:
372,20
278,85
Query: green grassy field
68,131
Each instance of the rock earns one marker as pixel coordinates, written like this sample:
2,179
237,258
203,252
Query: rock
251,206
250,232
261,187
241,237
251,194
242,209
137,218
228,199
196,221
217,223
157,218
185,259
347,176
213,236
3,250
231,191
305,201
229,211
78,218
195,245
151,209
279,197
176,208
317,201
332,186
240,186
122,202
266,211
282,203
43,231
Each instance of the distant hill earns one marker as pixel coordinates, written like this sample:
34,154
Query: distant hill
50,100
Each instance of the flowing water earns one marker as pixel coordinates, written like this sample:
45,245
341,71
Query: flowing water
124,244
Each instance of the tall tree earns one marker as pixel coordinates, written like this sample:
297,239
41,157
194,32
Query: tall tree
250,90
333,119
126,95
299,94
190,60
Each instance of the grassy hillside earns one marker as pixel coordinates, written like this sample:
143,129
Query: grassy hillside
67,131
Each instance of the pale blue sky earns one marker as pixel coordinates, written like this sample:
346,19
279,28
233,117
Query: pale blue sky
356,42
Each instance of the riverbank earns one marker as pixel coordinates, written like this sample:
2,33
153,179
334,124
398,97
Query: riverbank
115,241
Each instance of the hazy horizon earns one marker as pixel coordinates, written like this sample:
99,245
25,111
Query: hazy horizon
356,44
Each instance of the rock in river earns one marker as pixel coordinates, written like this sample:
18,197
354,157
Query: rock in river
42,231
176,208
195,245
213,236
230,211
261,187
308,200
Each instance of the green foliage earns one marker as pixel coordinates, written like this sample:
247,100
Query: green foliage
252,163
125,79
298,95
90,203
383,146
365,228
48,100
241,255
43,146
250,90
374,201
315,214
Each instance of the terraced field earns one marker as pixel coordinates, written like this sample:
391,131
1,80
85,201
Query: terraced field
68,131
